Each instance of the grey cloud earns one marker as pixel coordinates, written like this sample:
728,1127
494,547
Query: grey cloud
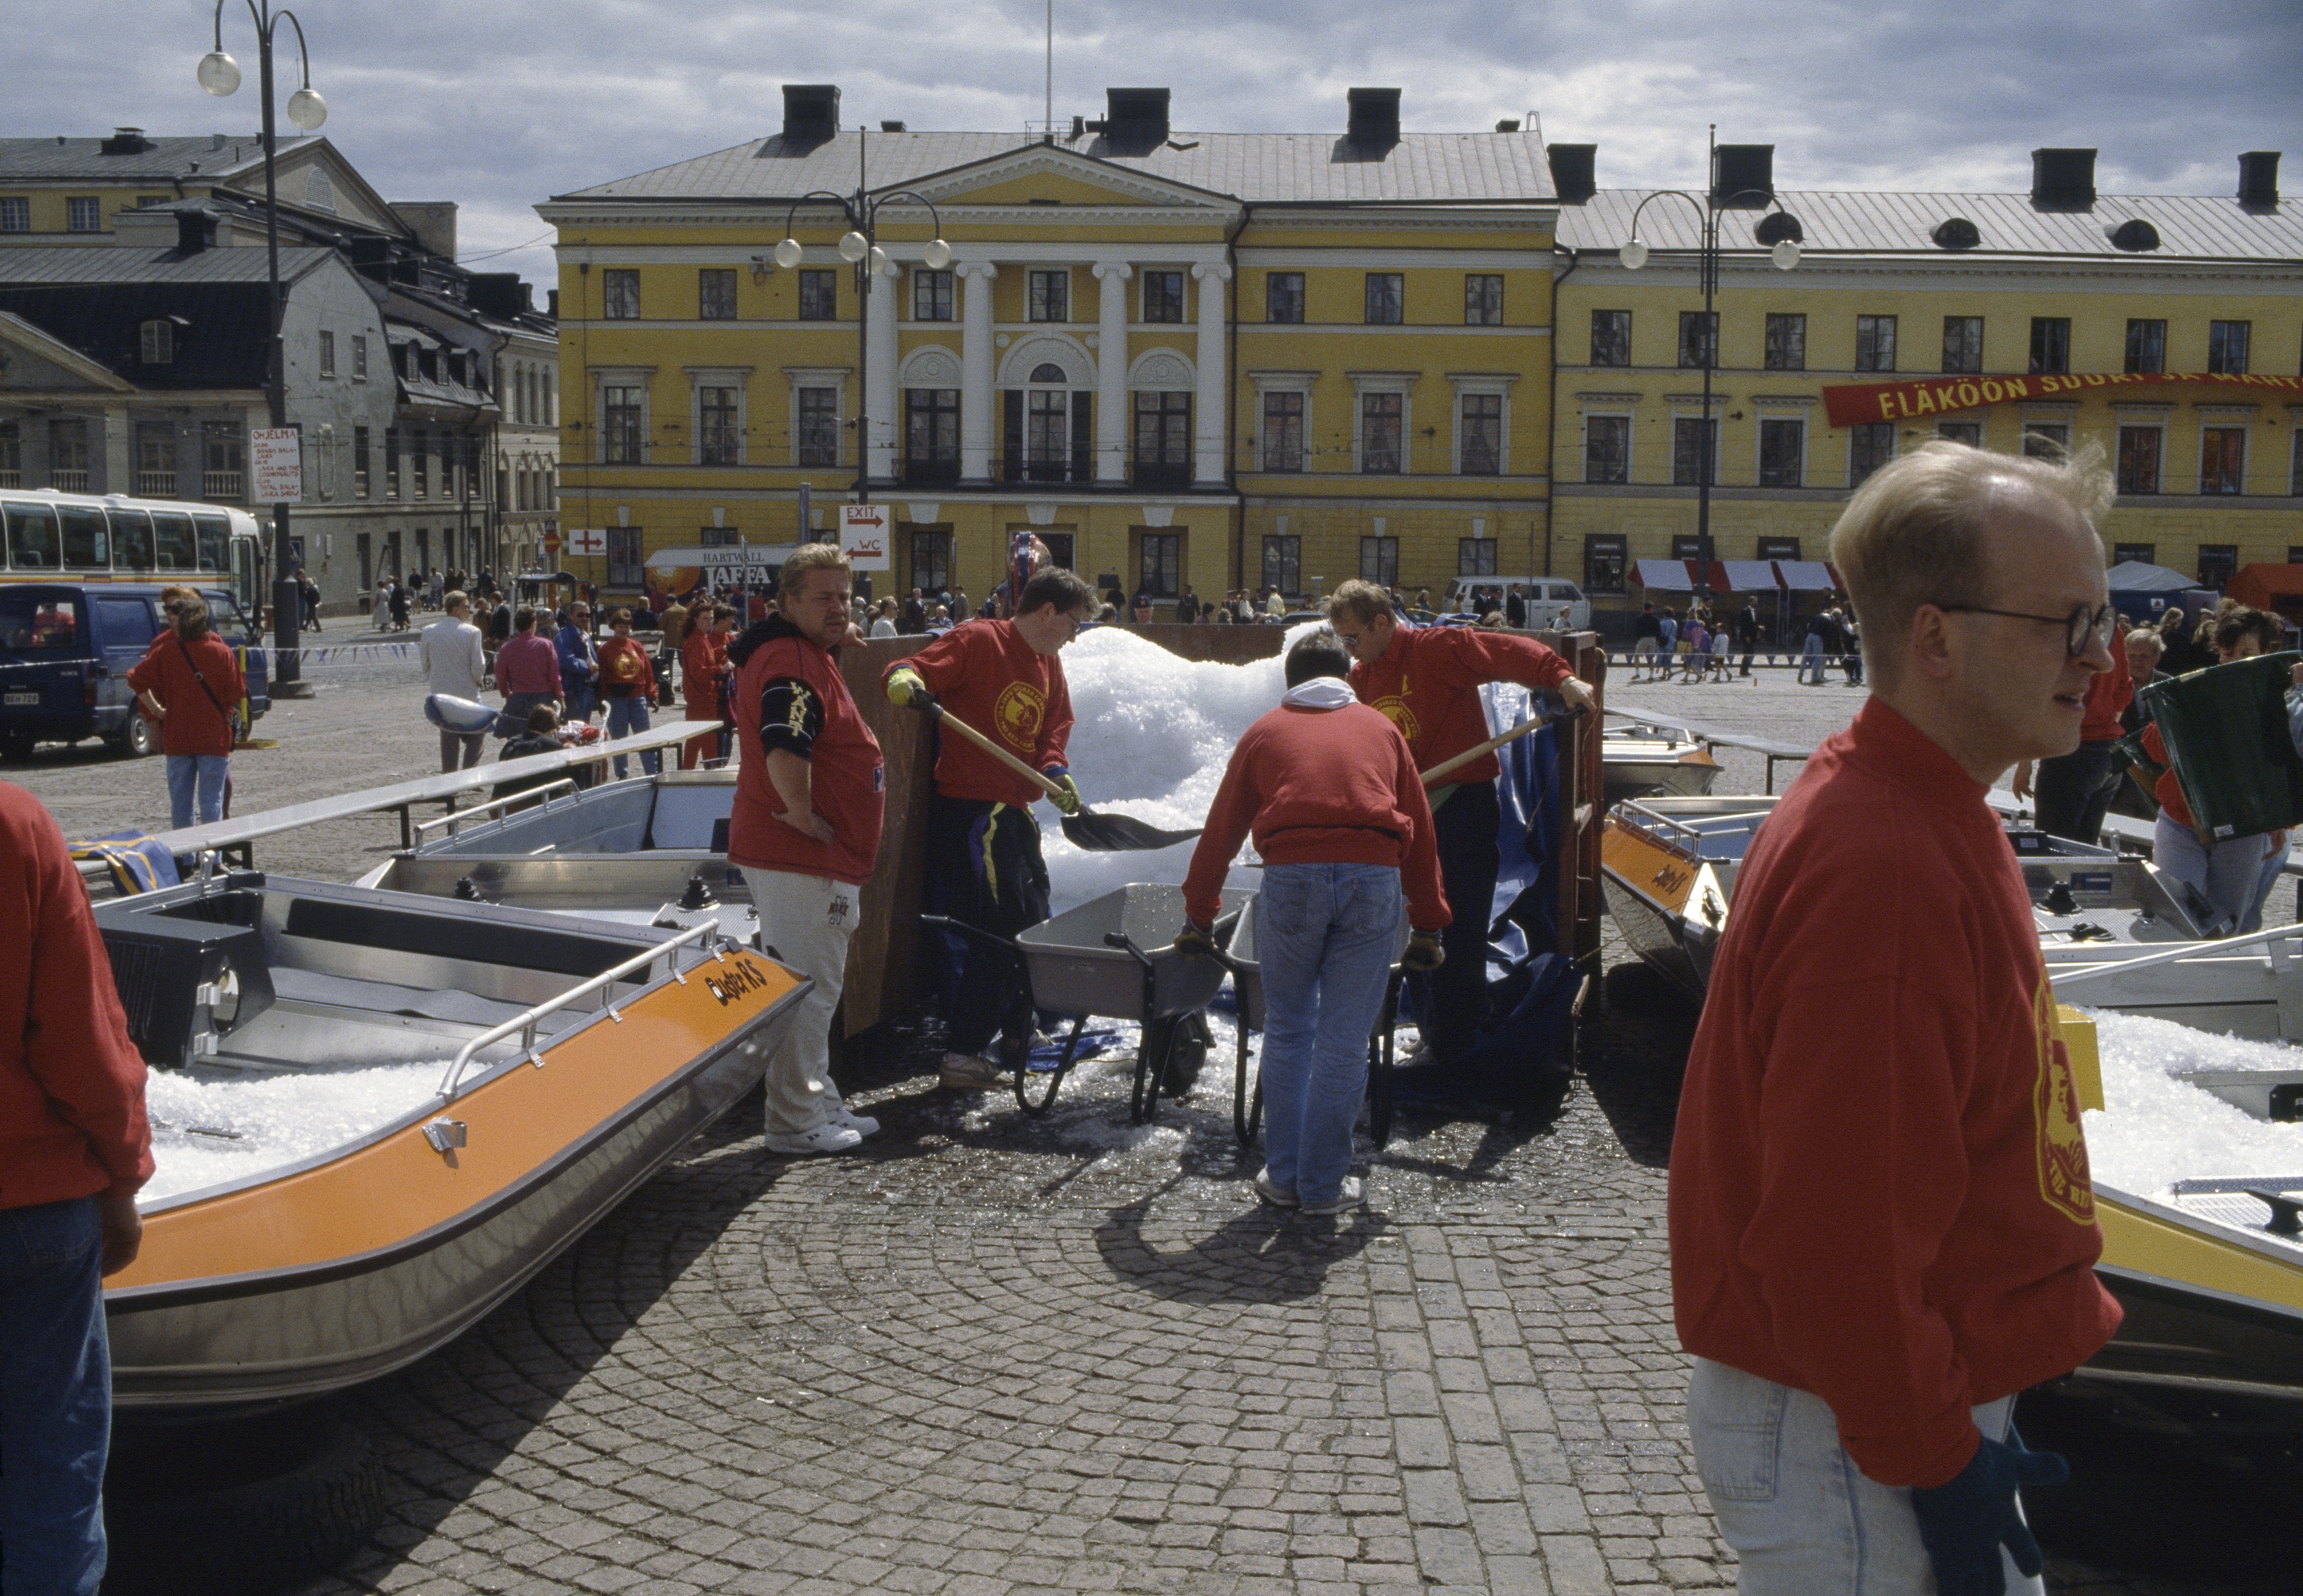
498,105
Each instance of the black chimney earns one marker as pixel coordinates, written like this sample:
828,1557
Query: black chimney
504,295
195,232
811,112
1134,121
2062,179
125,141
1571,167
2258,179
1374,117
1742,176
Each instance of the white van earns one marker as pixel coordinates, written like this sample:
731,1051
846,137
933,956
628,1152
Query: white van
1553,603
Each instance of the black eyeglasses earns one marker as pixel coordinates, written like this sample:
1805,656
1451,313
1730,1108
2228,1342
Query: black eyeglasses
2080,627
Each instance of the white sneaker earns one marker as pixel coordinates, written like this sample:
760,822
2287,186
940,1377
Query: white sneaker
1271,1191
1350,1194
968,1071
862,1125
827,1138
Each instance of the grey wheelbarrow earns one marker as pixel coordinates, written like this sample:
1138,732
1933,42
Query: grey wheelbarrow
1113,957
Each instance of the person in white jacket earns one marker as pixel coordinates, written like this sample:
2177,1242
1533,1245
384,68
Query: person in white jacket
454,665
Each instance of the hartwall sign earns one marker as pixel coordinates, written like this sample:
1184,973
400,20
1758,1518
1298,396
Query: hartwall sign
1853,404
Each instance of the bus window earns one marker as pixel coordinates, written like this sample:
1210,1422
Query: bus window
215,533
87,541
29,621
244,575
171,529
131,540
31,537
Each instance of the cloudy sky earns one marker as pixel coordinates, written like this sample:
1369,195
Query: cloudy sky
498,104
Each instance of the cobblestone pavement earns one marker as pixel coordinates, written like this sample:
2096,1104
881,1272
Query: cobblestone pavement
999,1354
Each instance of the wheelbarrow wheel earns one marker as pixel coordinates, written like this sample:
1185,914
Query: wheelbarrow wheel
1152,1051
1064,1062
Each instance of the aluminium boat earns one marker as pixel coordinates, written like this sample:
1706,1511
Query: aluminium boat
1654,763
436,1099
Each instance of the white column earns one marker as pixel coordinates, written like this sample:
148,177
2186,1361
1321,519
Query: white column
115,463
880,376
978,405
1211,425
1111,373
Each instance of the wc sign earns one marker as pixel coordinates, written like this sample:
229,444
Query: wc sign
863,535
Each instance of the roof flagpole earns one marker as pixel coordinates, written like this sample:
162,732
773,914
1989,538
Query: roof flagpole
1048,111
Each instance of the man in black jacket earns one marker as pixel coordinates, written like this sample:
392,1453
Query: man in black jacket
1747,631
1646,637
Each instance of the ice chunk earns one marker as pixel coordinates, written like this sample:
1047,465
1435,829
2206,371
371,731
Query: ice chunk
1151,737
213,1126
2155,1130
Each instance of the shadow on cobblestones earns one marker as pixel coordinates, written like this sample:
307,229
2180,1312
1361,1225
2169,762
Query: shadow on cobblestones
1260,1256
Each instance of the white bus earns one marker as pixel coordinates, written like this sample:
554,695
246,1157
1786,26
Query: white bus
50,534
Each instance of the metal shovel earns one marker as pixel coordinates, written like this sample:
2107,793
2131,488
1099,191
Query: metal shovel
1096,834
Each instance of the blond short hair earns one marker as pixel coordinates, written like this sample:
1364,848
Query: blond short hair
1913,533
2144,634
808,557
1363,600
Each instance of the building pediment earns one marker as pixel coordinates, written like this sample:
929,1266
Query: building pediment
1044,173
316,179
34,361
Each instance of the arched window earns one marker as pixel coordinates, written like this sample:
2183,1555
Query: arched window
1047,371
1048,427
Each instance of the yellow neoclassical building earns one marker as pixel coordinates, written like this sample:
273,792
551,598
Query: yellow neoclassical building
1186,359
1917,289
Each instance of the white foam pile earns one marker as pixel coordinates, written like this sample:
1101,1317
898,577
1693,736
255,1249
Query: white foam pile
1152,734
215,1126
2155,1130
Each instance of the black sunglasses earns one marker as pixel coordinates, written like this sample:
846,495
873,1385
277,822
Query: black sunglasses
2080,627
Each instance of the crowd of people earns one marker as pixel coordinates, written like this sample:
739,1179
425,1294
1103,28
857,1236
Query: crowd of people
1703,647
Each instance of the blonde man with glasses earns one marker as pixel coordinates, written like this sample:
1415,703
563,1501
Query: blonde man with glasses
1882,1226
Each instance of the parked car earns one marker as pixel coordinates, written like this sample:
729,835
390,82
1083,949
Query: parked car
1553,603
65,652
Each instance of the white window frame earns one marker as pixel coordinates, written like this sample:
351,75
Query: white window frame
2242,421
327,352
817,376
604,377
1625,413
700,378
2153,420
1364,382
1284,382
359,356
1783,409
1497,383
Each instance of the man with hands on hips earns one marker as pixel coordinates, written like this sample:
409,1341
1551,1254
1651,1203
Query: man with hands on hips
811,793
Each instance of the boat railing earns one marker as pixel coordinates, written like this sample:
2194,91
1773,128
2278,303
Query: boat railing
526,1024
2214,949
454,817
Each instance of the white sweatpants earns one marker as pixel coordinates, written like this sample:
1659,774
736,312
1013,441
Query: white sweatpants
805,921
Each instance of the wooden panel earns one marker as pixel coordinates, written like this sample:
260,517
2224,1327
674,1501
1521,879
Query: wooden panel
1222,645
884,951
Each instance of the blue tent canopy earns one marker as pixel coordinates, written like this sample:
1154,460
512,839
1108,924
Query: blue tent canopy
2133,576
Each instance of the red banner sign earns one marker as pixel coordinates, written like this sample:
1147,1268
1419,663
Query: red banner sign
1852,403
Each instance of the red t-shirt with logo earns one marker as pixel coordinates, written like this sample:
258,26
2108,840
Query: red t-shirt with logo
984,674
1429,681
1879,1186
788,696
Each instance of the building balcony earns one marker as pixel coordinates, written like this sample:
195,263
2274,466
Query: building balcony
69,482
223,488
930,473
1162,474
156,485
12,478
1079,468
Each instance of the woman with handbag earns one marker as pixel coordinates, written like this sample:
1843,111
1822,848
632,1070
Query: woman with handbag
188,686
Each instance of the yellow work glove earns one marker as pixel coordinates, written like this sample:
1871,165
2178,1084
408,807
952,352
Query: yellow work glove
906,690
1424,954
1195,941
1068,800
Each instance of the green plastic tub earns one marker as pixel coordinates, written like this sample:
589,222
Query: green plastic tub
2226,733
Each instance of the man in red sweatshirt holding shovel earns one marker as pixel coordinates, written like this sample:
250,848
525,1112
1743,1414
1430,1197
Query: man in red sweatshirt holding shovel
1882,1226
1003,679
1427,679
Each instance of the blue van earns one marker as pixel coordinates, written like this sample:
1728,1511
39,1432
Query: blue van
65,651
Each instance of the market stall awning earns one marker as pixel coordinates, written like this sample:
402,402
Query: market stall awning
2260,586
1808,576
693,559
1671,575
2137,576
1745,576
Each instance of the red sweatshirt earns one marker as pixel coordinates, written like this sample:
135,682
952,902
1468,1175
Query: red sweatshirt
1321,787
983,672
2108,695
71,1084
199,722
1879,1187
626,671
1428,681
788,696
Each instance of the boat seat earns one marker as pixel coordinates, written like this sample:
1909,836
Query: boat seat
382,997
451,936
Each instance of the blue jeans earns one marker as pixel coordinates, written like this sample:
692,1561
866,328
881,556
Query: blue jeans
205,771
1325,935
2234,876
56,1399
1801,1514
626,716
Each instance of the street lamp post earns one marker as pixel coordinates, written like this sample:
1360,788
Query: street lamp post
219,74
859,247
1781,233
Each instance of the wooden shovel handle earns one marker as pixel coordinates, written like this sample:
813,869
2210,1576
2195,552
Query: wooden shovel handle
998,753
1492,744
